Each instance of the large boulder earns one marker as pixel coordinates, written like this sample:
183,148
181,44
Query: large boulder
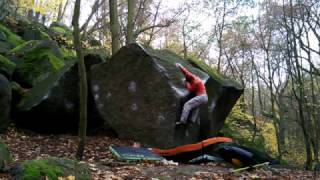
36,60
7,67
48,105
222,96
8,40
140,94
5,102
4,47
52,106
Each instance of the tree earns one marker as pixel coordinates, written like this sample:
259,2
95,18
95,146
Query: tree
7,7
130,22
83,81
62,10
114,26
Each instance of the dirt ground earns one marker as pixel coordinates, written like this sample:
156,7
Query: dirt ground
25,146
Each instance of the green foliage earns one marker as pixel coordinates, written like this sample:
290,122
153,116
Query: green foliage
37,169
239,126
10,37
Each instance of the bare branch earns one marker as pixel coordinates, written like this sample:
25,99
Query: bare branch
167,24
95,8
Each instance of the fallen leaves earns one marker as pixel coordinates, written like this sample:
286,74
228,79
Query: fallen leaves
67,178
26,146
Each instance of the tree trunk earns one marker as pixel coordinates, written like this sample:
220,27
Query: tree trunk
253,111
282,126
154,24
62,10
185,48
114,26
130,24
315,123
59,12
221,28
83,81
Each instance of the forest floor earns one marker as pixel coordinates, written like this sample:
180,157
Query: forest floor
26,146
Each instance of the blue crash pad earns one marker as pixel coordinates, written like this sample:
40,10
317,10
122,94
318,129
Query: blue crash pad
134,154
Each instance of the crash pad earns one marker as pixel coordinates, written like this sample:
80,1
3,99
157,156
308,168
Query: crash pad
188,152
236,156
241,156
125,153
205,158
191,147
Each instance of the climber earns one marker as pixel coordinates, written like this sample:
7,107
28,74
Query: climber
196,86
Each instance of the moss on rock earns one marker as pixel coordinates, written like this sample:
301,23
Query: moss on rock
212,72
58,30
6,66
61,33
36,60
8,36
24,47
51,168
69,55
42,89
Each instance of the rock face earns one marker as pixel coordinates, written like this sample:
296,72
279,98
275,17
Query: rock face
140,94
5,102
52,106
6,67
